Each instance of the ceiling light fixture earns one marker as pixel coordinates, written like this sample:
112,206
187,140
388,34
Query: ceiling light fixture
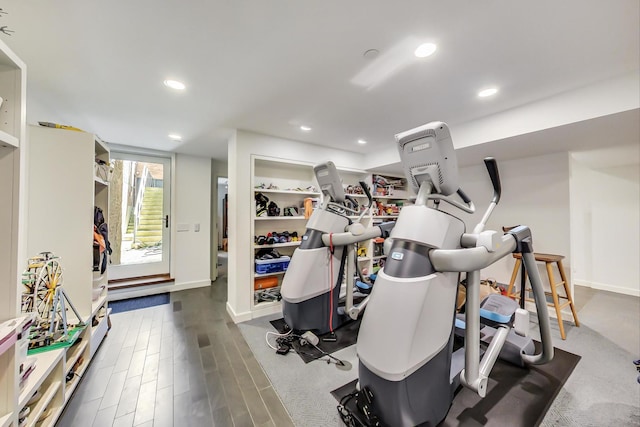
174,84
305,128
362,141
487,92
424,50
175,137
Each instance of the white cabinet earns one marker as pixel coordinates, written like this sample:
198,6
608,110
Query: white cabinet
63,190
12,220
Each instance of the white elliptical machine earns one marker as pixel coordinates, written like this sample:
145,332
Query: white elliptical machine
408,371
311,286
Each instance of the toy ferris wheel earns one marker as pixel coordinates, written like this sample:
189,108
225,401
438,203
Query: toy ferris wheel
43,295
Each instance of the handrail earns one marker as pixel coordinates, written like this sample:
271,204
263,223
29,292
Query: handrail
139,197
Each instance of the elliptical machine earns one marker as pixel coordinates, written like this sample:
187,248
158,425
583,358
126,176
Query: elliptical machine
408,371
311,286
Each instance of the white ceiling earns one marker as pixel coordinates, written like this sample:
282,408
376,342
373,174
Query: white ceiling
270,66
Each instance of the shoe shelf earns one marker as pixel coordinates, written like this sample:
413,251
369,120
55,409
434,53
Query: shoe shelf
275,273
294,192
42,404
279,218
45,364
291,183
277,245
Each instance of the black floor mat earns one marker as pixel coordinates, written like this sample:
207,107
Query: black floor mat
346,335
515,397
139,302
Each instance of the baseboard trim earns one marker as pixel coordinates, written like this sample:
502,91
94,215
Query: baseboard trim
117,294
605,287
238,318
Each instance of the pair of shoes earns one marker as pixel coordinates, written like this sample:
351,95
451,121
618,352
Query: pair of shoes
268,254
264,240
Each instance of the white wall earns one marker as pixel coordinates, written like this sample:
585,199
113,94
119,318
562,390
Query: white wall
242,146
605,226
535,192
192,206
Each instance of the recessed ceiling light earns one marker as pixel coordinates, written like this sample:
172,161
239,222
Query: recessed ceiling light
305,128
175,137
425,50
487,92
362,141
174,84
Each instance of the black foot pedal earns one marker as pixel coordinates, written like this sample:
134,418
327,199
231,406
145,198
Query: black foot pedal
330,338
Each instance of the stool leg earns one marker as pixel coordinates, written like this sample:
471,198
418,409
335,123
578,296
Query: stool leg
513,279
556,303
567,289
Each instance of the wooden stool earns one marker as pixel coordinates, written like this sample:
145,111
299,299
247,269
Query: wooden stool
548,259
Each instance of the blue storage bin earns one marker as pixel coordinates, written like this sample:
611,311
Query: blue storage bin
275,265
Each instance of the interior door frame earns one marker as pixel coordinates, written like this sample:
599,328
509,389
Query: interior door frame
151,155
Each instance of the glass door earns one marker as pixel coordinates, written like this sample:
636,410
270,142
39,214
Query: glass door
139,208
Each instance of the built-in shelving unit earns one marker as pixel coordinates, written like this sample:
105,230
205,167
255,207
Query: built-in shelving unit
388,201
61,220
13,197
294,182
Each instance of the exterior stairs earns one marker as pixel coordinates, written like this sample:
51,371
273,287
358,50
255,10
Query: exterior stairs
151,218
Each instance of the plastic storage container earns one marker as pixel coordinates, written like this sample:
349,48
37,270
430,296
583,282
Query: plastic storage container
275,265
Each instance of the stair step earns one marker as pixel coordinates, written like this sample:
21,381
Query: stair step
142,233
153,222
155,229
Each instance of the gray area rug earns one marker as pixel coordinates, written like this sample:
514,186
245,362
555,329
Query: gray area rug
602,391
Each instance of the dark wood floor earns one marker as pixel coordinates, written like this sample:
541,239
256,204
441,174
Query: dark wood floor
182,364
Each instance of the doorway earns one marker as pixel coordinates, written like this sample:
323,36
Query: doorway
222,224
139,222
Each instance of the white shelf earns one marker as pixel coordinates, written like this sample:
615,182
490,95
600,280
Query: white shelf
278,245
100,146
100,181
97,304
77,352
7,139
45,363
98,333
277,273
42,404
51,419
386,216
76,380
364,258
301,193
378,257
6,419
275,218
266,308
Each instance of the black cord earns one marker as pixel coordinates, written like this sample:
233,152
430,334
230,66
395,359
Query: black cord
338,361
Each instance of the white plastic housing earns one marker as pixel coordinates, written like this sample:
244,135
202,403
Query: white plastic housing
427,154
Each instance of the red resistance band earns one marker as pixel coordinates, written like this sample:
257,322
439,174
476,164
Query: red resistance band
331,250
